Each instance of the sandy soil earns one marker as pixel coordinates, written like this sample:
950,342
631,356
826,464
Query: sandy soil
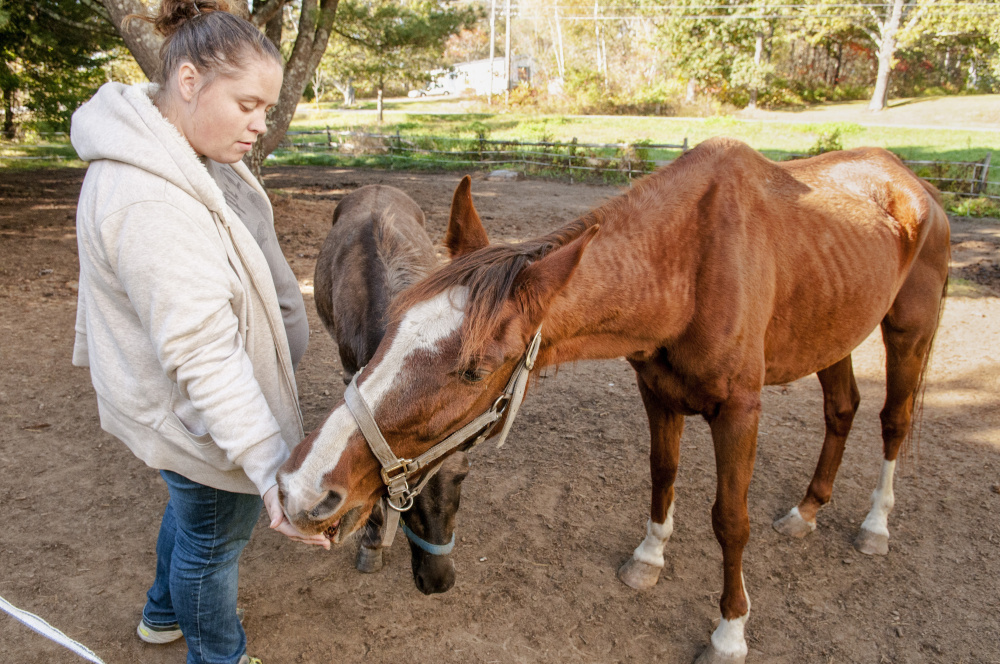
545,521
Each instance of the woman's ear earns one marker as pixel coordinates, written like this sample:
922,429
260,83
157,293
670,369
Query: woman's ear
188,81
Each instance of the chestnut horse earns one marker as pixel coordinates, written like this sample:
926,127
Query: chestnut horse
376,248
718,274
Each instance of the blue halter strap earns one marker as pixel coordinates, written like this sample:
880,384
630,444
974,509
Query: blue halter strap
433,549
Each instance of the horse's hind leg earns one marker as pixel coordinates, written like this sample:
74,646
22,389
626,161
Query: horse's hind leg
642,570
908,332
840,402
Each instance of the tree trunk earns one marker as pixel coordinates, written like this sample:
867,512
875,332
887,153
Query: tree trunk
493,40
562,54
378,103
692,88
886,51
9,129
840,64
272,29
349,93
315,20
506,55
758,54
142,42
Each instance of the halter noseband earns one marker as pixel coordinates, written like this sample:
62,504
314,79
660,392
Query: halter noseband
397,472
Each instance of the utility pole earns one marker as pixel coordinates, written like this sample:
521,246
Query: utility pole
493,25
506,58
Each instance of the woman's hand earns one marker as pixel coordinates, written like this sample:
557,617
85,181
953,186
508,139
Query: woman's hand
284,526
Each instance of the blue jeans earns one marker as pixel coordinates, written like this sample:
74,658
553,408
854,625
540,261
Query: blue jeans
202,535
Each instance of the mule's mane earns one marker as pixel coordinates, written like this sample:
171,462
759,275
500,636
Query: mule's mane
490,275
403,261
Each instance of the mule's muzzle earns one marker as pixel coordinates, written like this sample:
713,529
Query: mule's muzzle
432,574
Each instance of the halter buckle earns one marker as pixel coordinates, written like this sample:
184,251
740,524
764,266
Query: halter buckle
401,469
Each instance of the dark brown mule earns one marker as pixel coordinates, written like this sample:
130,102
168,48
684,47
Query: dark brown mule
376,248
717,275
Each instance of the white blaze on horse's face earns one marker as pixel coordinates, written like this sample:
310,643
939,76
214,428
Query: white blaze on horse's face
422,329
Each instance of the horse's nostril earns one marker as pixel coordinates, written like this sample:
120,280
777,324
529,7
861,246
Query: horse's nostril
327,506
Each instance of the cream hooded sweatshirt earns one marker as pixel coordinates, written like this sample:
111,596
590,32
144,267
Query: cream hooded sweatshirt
178,316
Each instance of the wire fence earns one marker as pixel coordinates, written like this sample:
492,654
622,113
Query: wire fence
608,161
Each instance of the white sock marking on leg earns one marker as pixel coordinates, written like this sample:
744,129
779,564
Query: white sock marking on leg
728,639
795,512
883,499
650,551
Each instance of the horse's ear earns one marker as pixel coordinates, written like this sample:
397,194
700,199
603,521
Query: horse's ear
465,229
541,281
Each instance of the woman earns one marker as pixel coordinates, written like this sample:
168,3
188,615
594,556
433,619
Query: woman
189,317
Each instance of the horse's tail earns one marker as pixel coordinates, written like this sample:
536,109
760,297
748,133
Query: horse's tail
913,437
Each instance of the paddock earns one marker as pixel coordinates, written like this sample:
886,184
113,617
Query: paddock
545,521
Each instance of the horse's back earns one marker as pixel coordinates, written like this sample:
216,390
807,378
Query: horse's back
803,259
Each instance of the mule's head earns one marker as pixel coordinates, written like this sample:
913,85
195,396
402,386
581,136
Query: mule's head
432,527
449,351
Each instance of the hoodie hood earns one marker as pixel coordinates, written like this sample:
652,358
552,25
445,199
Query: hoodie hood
121,123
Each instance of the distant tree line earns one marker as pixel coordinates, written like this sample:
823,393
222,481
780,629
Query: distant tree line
644,56
648,54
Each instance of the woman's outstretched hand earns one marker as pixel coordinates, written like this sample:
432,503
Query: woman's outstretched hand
284,526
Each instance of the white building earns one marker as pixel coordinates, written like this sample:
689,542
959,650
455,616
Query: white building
474,77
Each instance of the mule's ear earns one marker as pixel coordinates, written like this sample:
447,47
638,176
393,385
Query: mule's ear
541,281
465,229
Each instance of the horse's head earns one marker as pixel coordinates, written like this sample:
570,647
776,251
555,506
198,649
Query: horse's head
453,343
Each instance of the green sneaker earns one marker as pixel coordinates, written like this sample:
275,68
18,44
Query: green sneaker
158,635
249,660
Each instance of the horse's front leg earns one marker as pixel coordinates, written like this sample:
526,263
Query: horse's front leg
642,570
734,433
370,558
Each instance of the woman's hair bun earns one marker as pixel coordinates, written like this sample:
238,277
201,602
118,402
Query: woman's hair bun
174,13
206,34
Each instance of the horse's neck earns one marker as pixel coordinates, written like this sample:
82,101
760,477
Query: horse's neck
632,290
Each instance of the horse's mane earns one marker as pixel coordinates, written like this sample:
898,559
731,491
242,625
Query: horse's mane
490,275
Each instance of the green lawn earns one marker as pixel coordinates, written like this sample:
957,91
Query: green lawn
776,134
773,138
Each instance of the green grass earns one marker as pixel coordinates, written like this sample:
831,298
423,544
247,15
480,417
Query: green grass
775,139
27,155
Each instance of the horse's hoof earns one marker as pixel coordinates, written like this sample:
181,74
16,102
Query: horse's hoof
873,544
369,561
638,575
793,525
712,656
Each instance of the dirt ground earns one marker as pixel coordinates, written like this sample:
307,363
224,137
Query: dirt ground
545,521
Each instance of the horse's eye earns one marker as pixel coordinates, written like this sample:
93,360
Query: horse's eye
473,375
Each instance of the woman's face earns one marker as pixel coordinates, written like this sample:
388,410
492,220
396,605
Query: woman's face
222,116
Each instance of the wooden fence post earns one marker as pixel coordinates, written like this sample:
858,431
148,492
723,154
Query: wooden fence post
980,187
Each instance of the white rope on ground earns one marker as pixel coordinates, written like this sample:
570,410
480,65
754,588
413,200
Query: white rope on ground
48,631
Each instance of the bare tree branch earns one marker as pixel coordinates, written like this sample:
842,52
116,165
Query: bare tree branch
75,24
266,11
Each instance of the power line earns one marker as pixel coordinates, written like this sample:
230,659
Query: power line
820,5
